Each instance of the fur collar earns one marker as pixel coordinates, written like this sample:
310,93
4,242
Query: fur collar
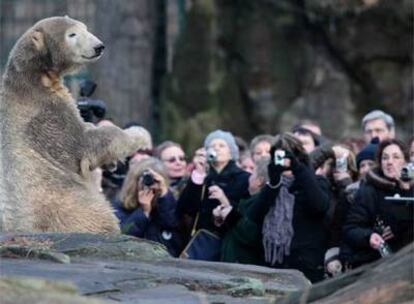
376,178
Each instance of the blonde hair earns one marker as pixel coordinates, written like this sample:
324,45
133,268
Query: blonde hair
129,191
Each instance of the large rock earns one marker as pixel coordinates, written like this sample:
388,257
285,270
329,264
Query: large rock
131,270
389,280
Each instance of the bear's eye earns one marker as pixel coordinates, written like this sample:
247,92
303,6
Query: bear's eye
72,35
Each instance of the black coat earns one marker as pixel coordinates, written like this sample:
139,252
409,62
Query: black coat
232,180
160,227
370,204
309,243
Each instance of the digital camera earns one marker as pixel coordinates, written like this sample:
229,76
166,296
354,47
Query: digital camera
279,157
407,172
211,155
147,178
341,164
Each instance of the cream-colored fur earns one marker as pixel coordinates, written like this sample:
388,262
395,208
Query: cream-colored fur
47,153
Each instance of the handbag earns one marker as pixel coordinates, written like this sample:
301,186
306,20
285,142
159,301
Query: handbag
204,245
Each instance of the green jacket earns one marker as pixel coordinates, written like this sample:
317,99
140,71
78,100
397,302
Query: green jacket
242,243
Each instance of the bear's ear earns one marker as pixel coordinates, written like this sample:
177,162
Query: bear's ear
38,40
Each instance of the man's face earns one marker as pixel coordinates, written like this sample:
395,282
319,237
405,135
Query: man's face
377,128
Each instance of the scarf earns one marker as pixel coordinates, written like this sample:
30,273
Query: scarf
277,225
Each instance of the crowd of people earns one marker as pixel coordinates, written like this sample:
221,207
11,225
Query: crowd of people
293,200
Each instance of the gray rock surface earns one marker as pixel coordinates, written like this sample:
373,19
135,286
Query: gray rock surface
130,270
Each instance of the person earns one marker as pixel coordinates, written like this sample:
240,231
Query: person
246,162
173,157
214,181
412,149
374,220
242,239
260,146
292,210
146,207
340,252
310,125
378,124
308,138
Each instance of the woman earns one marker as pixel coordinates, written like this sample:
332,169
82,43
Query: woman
291,209
146,207
173,157
242,239
374,218
215,180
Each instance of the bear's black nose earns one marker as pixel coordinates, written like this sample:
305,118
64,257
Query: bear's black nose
99,49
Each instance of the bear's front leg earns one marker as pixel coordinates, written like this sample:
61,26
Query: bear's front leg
108,144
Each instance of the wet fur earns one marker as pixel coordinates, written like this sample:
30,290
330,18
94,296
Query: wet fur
47,151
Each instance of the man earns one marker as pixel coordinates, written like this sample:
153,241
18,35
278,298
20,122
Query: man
378,124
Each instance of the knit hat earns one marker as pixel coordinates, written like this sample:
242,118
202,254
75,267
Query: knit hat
227,137
368,152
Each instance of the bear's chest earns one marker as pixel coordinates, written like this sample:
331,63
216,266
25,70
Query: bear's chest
57,133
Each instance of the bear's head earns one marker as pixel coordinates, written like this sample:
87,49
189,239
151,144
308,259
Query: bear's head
57,44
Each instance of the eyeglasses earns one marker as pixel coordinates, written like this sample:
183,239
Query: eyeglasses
175,159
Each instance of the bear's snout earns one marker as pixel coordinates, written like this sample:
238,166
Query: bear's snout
99,49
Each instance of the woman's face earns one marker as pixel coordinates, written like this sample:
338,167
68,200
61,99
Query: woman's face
392,160
247,164
174,161
261,149
222,149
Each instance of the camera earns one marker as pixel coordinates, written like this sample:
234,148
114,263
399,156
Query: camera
341,164
147,179
211,155
407,172
279,157
91,110
384,248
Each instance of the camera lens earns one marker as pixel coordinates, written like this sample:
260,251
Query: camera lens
147,179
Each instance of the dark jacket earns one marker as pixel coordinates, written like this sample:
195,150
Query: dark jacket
160,226
370,205
309,242
242,242
232,180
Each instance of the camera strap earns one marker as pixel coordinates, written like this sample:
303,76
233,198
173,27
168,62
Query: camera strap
194,230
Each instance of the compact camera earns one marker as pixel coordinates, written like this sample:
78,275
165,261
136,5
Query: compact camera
211,155
279,157
407,172
341,164
147,179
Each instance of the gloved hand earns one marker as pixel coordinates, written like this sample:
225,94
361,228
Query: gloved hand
294,162
274,171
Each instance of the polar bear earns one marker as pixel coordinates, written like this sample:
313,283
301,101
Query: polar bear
47,152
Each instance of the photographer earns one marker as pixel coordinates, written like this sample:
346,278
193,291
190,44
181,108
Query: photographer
216,180
91,110
146,208
380,217
291,209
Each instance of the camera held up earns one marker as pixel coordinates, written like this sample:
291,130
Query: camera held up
91,110
279,157
407,172
211,155
147,178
